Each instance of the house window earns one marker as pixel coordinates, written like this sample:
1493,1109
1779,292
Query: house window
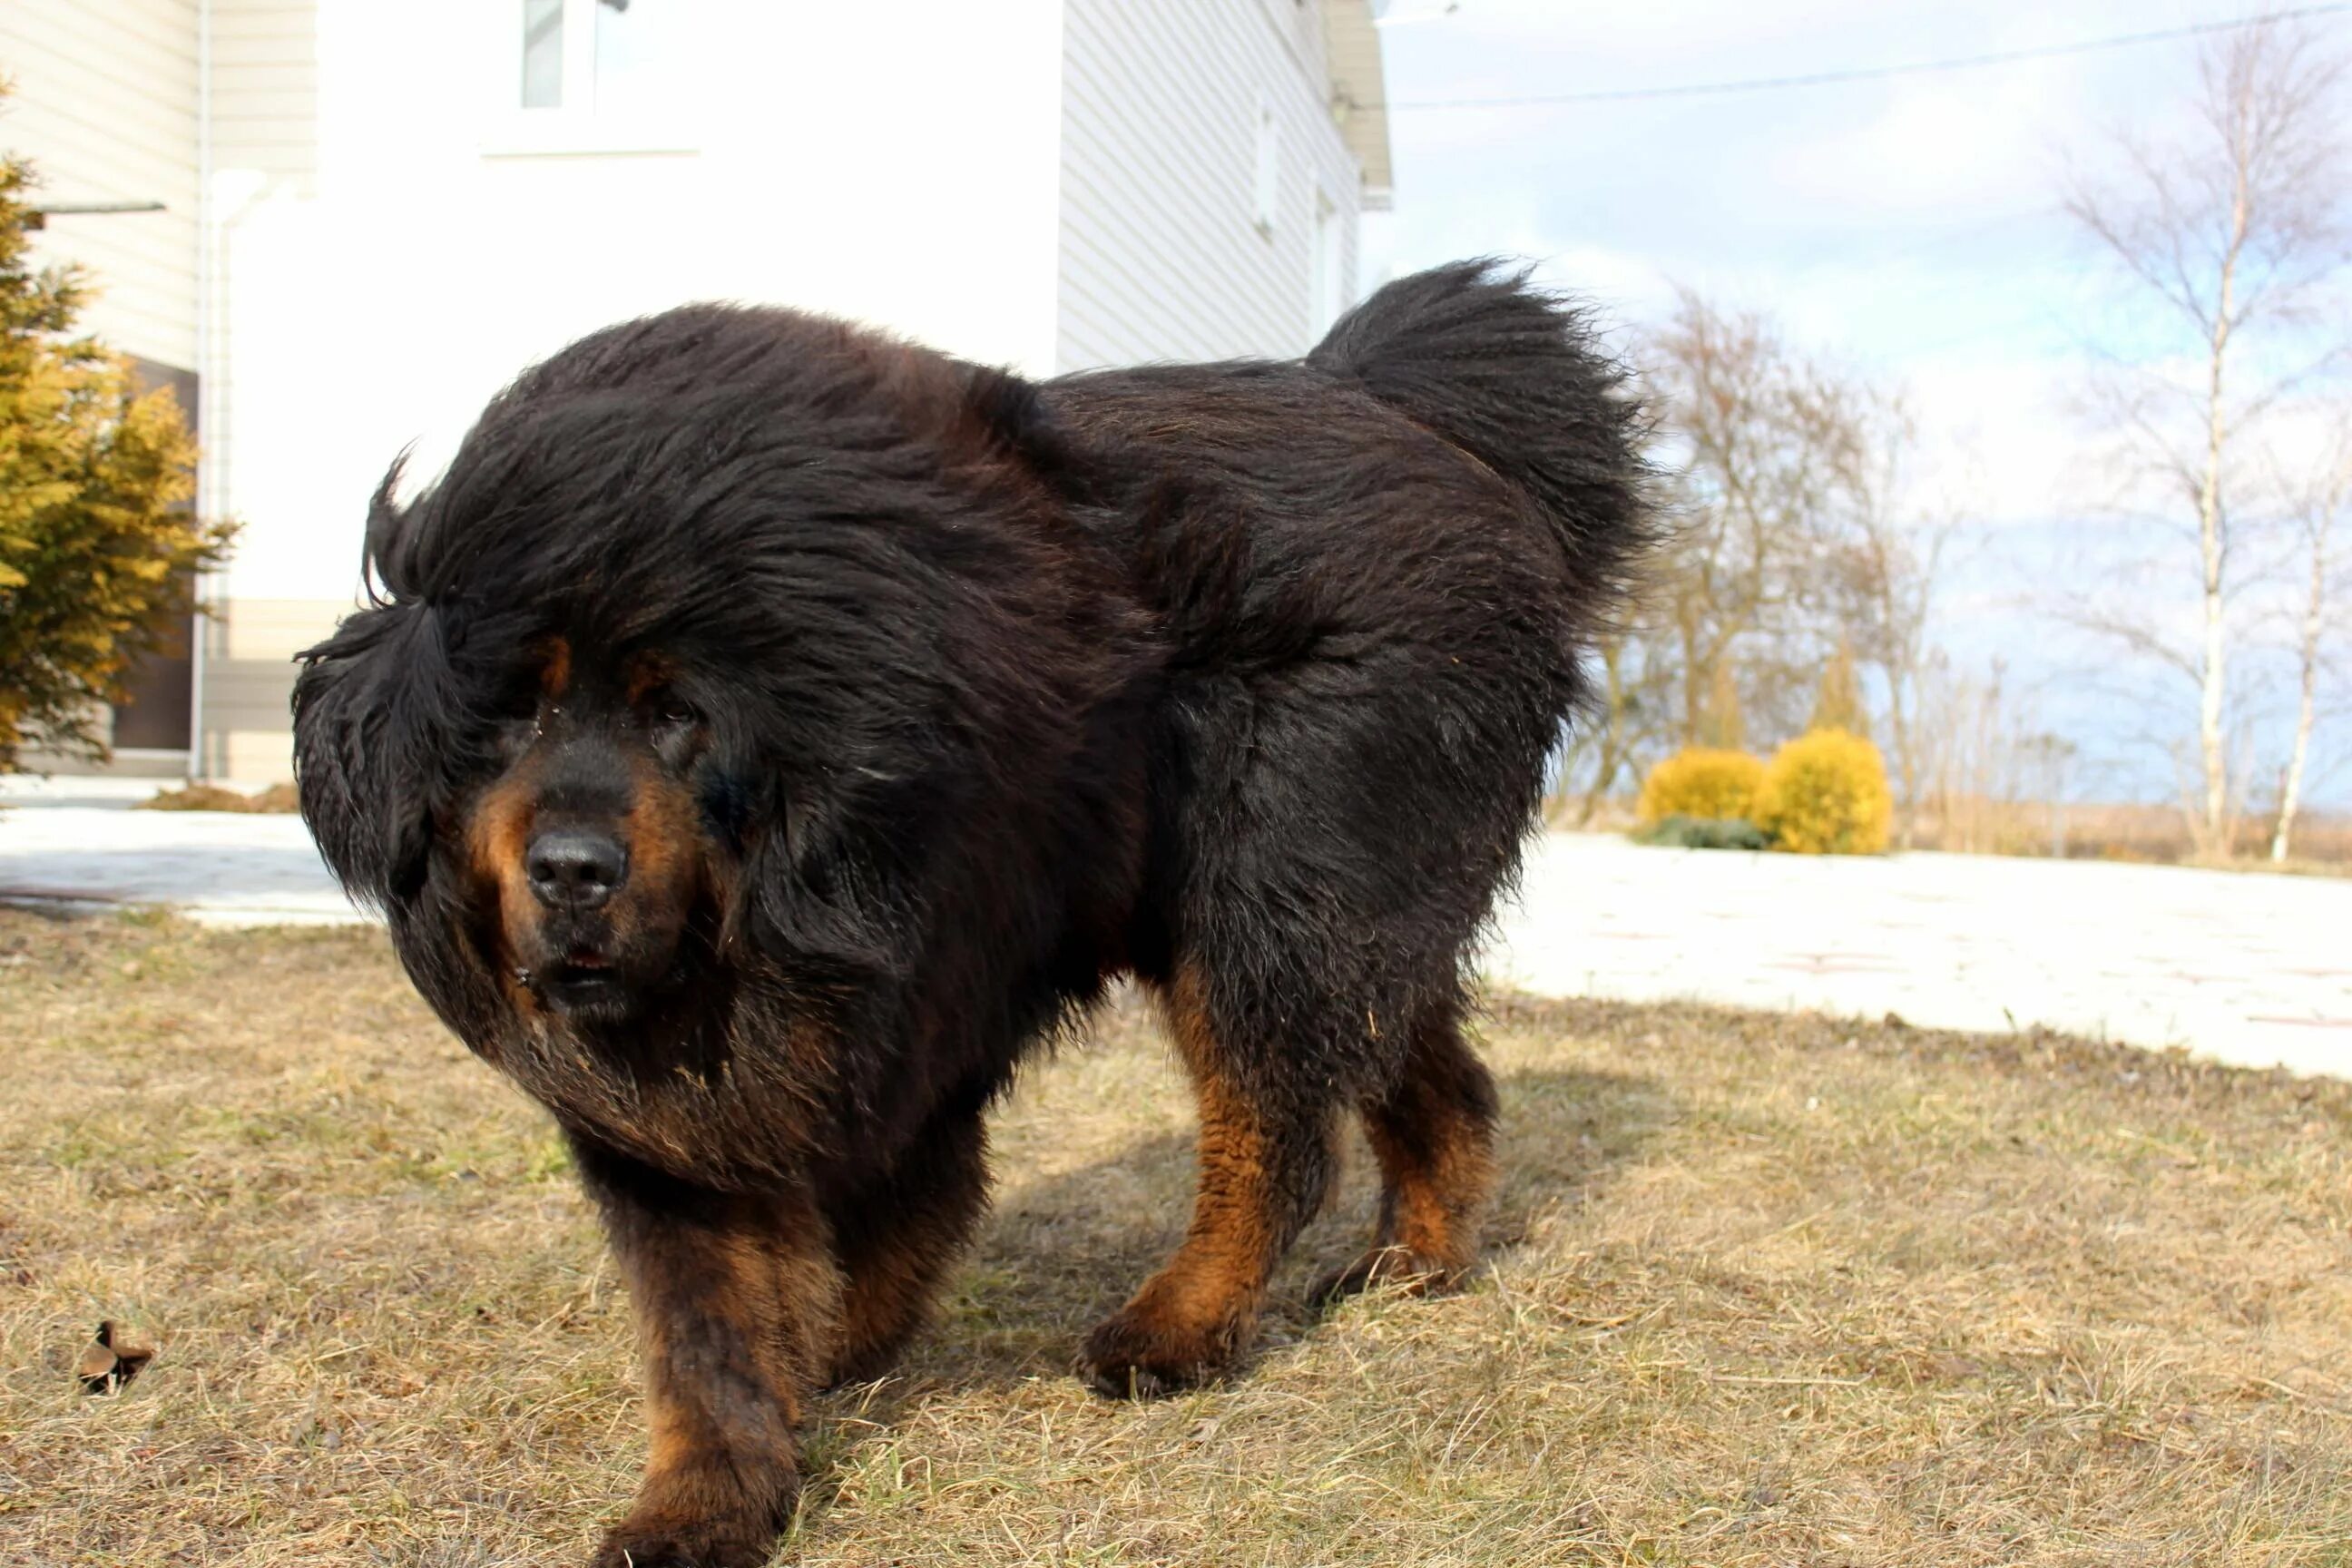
542,54
595,76
1269,170
600,56
637,57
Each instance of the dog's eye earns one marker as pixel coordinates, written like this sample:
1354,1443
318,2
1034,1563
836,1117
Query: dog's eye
675,713
518,712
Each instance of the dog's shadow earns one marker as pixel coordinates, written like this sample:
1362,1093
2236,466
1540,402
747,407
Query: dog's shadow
1060,1252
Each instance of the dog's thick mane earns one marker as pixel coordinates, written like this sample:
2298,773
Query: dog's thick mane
841,543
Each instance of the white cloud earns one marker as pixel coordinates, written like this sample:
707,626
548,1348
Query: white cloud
1947,145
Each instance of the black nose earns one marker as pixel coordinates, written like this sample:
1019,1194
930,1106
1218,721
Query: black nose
572,869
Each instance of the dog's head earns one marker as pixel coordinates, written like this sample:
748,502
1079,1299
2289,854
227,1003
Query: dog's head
588,854
557,813
711,635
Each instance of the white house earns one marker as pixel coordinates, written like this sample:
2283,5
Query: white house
359,219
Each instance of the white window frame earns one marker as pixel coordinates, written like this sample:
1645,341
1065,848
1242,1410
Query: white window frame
1327,265
1265,174
575,126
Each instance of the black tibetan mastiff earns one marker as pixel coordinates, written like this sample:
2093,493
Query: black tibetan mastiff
766,731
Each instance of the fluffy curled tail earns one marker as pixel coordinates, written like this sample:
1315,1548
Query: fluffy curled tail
1513,376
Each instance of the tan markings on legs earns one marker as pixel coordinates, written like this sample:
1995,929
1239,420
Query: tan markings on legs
1434,1136
736,1300
1202,1309
1217,1278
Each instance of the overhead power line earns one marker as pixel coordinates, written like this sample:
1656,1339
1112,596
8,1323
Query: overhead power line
1873,73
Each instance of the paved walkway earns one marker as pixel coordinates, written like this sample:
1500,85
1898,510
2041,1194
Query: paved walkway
2249,968
74,840
2243,966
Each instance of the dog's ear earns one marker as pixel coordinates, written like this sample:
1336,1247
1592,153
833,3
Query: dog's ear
1010,415
361,757
366,734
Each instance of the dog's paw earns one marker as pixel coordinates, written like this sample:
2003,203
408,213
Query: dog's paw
1388,1268
1141,1355
673,1545
863,1364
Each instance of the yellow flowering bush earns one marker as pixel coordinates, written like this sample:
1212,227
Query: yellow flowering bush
1702,783
1825,793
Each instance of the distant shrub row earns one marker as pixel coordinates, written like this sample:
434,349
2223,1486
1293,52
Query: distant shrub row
1823,793
1679,831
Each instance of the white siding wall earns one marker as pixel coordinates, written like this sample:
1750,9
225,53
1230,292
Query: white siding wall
379,294
264,140
395,242
1161,253
265,146
264,106
106,108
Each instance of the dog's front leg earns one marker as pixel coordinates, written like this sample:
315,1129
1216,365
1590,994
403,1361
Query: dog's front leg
737,1300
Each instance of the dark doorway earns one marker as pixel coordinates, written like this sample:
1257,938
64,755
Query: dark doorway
160,709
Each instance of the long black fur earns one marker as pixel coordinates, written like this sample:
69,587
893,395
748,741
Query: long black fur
1245,672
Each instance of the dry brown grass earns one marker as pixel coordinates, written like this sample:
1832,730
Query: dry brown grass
1763,1290
198,795
2155,835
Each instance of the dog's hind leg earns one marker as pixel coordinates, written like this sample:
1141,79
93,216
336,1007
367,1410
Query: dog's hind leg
1265,1165
1433,1135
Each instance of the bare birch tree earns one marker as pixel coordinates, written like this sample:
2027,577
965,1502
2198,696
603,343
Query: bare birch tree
2227,233
2316,522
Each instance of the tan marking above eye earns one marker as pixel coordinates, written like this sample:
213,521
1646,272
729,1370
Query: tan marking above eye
555,674
648,673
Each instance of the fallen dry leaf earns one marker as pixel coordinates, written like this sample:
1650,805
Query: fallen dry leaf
107,1362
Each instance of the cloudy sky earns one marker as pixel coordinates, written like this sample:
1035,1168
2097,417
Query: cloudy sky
1908,226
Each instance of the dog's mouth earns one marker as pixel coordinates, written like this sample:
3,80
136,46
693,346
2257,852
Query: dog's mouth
582,964
599,972
584,979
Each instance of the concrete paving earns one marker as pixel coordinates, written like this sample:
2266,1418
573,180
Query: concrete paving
2246,967
2243,966
75,842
